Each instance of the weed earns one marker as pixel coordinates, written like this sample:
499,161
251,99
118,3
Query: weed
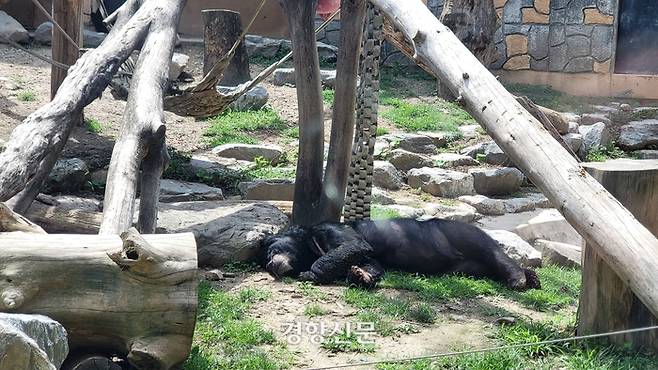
94,126
240,267
439,287
560,288
378,212
238,127
26,96
424,117
381,131
311,291
314,310
603,153
422,313
328,96
292,132
382,325
347,342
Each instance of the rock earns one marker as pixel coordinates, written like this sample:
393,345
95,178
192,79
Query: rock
405,161
209,162
254,99
626,107
574,141
507,320
440,182
560,254
71,203
539,199
249,152
489,152
415,143
573,127
498,181
592,118
639,154
99,177
12,30
549,225
639,135
44,33
517,205
457,212
213,275
262,46
3,145
379,196
516,248
386,176
484,205
33,342
469,131
268,189
407,211
286,76
91,39
184,191
449,160
596,135
440,139
68,175
382,148
225,231
177,65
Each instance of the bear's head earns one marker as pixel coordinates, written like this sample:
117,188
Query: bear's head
289,253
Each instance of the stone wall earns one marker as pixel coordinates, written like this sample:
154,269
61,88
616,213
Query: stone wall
555,35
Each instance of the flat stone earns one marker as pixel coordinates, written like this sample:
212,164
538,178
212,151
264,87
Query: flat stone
262,46
415,143
517,63
543,6
512,11
209,162
549,225
12,30
249,152
386,176
380,196
578,29
574,141
602,43
596,135
33,342
578,46
560,254
594,16
286,76
557,57
592,118
456,212
405,161
448,160
539,199
518,205
639,135
516,248
177,65
645,154
71,203
498,181
516,44
489,152
440,182
470,131
254,99
484,205
184,191
581,64
283,189
68,175
538,41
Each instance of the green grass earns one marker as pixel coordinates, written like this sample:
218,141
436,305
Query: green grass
422,313
311,291
26,96
378,212
240,267
560,287
414,117
239,127
644,114
381,131
346,342
291,132
94,126
225,338
328,96
603,153
382,324
314,310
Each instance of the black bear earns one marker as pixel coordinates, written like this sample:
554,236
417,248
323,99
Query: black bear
360,251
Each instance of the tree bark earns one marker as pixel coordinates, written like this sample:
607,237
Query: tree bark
11,221
308,183
627,246
68,14
606,302
142,134
133,296
343,120
221,29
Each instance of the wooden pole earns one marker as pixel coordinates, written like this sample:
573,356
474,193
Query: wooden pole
221,28
626,245
343,120
308,183
68,14
606,302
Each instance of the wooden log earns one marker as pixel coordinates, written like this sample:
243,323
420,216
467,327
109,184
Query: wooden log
68,14
133,296
626,245
344,116
11,221
308,182
606,302
142,133
221,29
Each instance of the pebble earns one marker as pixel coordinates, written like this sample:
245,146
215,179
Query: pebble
506,320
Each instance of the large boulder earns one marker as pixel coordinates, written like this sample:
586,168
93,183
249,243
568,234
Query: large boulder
496,181
484,205
415,143
282,189
574,141
561,254
254,99
386,176
440,182
449,160
516,248
183,191
639,135
592,118
67,175
286,76
249,152
639,154
12,30
71,203
595,135
262,46
177,65
209,162
517,205
456,211
549,225
33,342
489,152
404,160
380,196
90,39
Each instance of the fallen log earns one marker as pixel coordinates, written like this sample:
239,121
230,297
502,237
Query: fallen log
11,221
133,296
624,244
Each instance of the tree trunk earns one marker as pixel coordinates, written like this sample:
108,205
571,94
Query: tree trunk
606,302
343,120
11,221
221,29
134,296
627,246
308,183
68,14
142,134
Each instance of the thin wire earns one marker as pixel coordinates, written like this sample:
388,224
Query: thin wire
489,349
44,58
50,17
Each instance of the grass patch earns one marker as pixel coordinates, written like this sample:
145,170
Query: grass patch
378,212
292,132
603,153
239,127
382,325
381,131
225,338
414,117
328,96
311,291
93,125
422,313
434,288
651,113
560,287
240,267
314,310
346,342
26,96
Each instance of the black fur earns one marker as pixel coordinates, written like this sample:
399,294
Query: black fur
361,250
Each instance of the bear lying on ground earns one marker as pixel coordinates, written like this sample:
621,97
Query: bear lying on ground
360,251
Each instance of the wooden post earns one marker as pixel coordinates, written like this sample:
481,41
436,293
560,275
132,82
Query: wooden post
68,14
308,183
606,302
627,246
221,28
343,120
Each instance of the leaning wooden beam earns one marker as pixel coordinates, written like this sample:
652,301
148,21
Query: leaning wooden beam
343,120
627,246
308,182
35,144
142,133
11,221
133,296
